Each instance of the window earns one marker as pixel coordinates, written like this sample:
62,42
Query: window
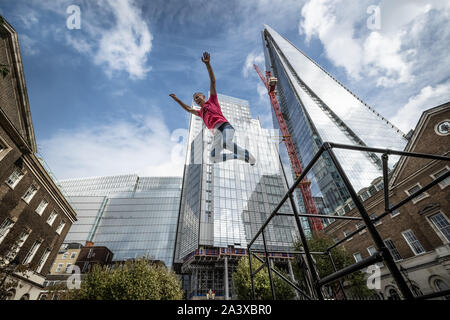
60,227
392,249
14,178
30,255
65,255
60,265
43,260
372,251
416,291
393,294
357,257
442,224
30,193
346,233
360,225
440,173
414,189
73,255
51,218
67,268
413,243
441,286
40,209
18,245
394,213
4,228
376,223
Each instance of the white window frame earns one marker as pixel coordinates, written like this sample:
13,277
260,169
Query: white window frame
51,218
73,255
360,256
43,260
65,255
66,269
410,245
443,184
424,195
379,264
6,225
30,193
390,250
61,226
59,267
376,223
32,252
345,235
362,225
436,229
41,208
12,254
16,172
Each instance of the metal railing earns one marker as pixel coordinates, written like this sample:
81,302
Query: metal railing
382,254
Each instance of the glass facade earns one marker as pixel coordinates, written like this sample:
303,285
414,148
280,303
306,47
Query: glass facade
225,204
317,109
132,216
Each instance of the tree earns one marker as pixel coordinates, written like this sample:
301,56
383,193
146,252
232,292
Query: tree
243,286
355,282
133,280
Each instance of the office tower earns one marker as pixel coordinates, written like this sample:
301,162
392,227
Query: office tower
132,216
317,108
223,205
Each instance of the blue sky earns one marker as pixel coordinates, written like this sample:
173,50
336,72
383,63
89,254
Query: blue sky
99,96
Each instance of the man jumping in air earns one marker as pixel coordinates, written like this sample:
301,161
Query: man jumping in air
214,120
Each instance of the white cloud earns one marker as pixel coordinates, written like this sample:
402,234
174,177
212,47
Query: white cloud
28,46
406,118
252,58
123,45
370,54
144,146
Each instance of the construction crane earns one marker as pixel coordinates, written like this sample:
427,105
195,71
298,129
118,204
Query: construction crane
271,83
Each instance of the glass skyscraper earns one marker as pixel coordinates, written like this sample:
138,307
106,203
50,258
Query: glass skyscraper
133,216
317,108
223,205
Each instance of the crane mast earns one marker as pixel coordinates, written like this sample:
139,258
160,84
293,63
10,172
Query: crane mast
270,83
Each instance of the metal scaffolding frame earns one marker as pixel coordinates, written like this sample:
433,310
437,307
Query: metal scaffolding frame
316,285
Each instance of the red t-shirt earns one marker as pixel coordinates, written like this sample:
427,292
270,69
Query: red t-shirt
211,113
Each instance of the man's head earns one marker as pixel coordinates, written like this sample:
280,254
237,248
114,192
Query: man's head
199,98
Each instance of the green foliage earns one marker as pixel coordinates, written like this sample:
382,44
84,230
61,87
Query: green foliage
355,283
243,287
134,280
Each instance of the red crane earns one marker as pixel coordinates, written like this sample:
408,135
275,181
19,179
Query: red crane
270,83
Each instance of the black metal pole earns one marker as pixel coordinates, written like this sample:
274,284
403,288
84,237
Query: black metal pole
335,270
272,287
251,272
311,272
373,231
385,158
309,261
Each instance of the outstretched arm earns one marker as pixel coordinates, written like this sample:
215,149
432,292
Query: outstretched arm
183,105
206,60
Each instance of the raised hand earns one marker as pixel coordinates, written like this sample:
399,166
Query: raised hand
206,58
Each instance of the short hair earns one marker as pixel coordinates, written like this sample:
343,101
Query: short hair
197,94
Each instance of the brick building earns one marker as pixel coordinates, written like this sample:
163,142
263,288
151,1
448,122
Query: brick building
418,233
34,215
